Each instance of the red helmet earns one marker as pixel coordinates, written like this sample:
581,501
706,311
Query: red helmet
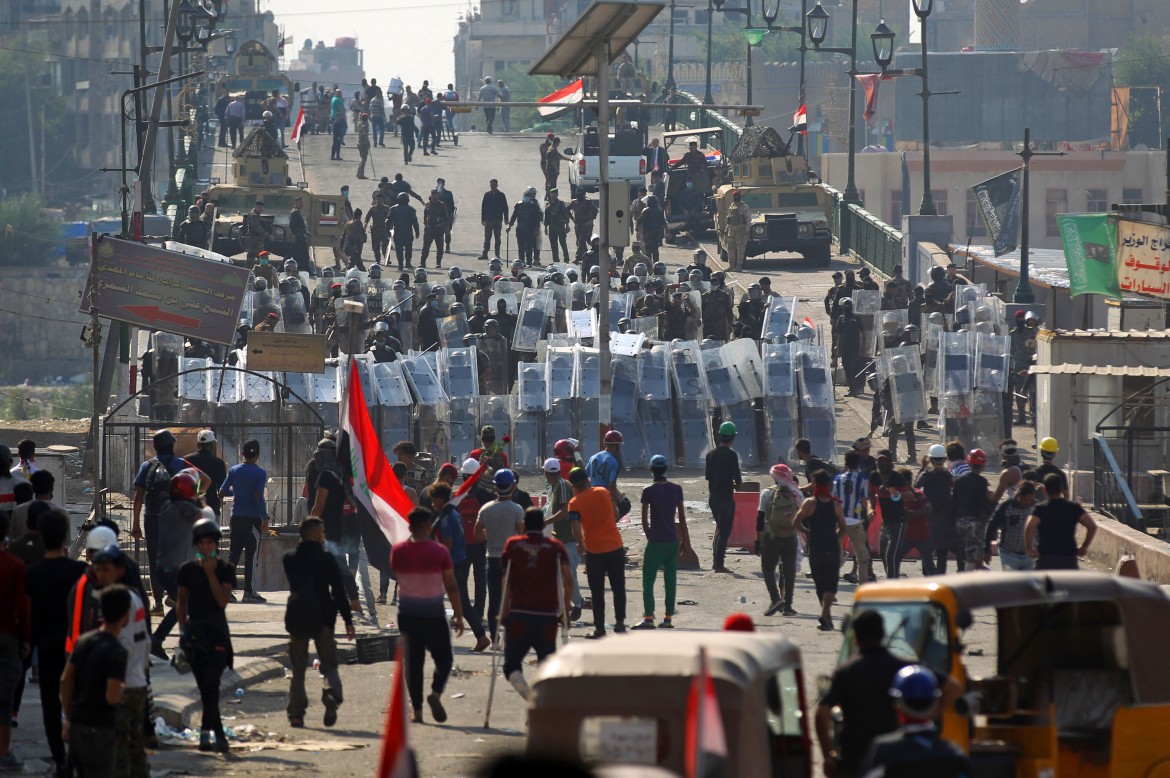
183,487
563,449
613,437
976,457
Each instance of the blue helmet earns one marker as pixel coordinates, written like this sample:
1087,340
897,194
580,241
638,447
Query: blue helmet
659,461
504,479
915,690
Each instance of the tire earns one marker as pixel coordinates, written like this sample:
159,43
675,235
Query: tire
822,256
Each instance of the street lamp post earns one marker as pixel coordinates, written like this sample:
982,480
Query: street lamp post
922,9
670,84
707,97
1023,292
752,35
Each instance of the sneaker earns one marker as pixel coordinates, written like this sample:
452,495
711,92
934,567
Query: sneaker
253,597
481,644
788,611
574,613
205,741
774,608
157,609
619,628
437,711
666,623
849,578
10,763
596,635
169,602
643,624
330,708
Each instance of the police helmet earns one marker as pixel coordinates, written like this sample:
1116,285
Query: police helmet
640,270
633,282
375,271
403,198
420,275
496,264
454,273
572,274
261,284
491,324
659,268
381,327
327,272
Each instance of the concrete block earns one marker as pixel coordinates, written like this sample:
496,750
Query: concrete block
269,574
1116,543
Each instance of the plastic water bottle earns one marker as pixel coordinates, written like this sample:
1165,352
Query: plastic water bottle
239,695
317,664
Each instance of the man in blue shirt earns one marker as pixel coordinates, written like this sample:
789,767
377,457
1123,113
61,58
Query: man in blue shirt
604,466
245,482
448,526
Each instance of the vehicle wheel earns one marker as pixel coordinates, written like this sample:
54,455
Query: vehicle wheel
823,256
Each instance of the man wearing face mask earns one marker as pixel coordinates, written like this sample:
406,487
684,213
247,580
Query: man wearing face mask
428,323
886,496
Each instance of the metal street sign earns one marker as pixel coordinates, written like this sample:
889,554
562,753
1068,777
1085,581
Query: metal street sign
286,352
164,290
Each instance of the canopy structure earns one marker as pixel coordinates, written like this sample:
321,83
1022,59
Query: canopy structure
759,142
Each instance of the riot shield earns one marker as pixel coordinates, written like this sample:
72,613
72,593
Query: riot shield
647,325
581,325
818,420
167,349
194,381
495,411
402,301
780,400
655,413
778,317
530,405
394,405
694,325
431,407
560,367
888,323
955,363
620,306
929,346
730,384
342,314
293,317
965,295
535,308
993,362
460,377
376,296
264,302
902,369
511,303
988,313
624,410
866,304
987,426
743,359
692,403
452,329
587,388
226,387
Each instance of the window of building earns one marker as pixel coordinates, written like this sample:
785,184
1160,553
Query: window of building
940,201
1096,200
895,209
1055,201
700,17
509,8
975,226
1132,195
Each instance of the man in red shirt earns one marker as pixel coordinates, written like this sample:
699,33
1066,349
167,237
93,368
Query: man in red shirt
539,587
15,637
424,569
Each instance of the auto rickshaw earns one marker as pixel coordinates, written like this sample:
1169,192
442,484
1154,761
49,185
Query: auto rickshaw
1079,684
623,701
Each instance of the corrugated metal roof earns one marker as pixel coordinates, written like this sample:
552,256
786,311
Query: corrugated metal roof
1046,334
1128,371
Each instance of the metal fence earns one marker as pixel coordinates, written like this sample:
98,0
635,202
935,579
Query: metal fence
860,233
1111,492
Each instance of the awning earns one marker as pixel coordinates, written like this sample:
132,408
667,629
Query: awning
1127,371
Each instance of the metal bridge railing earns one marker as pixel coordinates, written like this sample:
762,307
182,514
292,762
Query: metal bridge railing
1111,493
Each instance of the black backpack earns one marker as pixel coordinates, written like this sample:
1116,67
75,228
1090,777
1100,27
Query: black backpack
157,492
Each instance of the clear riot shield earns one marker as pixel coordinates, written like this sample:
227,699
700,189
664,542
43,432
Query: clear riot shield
326,391
394,405
264,302
322,295
694,326
194,381
431,408
929,346
965,295
866,304
343,315
955,363
402,301
560,365
578,294
376,296
460,377
495,410
993,362
452,329
293,317
888,323
535,307
647,325
297,408
988,313
624,411
530,406
507,286
818,420
511,303
167,349
587,387
620,306
743,359
655,414
692,403
902,368
730,390
780,409
987,426
778,318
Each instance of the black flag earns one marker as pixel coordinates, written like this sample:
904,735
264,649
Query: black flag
998,200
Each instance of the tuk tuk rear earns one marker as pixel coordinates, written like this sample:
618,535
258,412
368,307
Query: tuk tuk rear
623,701
1077,685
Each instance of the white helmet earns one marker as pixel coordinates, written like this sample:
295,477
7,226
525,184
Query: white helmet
938,451
469,466
100,537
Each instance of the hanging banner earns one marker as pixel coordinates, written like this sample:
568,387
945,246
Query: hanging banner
1143,258
999,204
1090,253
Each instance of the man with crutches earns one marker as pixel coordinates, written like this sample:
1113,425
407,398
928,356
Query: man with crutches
536,590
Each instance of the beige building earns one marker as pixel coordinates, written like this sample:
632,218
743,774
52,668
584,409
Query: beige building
1081,182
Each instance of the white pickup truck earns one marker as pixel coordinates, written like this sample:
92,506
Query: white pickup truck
626,162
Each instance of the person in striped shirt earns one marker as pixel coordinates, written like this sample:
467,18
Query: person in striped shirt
851,488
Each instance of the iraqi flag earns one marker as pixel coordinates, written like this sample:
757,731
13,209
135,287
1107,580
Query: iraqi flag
374,484
470,483
706,755
800,120
809,323
397,757
562,99
298,125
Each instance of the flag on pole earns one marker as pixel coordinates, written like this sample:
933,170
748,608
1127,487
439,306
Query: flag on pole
562,99
809,323
998,200
469,484
706,754
374,484
800,120
297,125
397,758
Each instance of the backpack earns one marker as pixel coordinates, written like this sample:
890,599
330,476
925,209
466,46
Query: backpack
780,513
302,614
157,491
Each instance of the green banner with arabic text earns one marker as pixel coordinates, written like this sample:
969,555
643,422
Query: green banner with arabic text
1090,253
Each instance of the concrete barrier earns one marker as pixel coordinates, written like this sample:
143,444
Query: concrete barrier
1114,541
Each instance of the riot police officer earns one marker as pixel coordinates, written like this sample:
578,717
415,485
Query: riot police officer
403,220
848,346
699,263
751,314
526,218
717,315
1023,351
193,230
556,225
379,230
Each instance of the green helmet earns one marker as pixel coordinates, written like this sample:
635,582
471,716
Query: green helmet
727,430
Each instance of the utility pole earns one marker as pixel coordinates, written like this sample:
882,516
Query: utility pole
1024,293
32,145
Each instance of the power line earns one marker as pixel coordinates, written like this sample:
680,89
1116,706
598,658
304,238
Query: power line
65,56
46,403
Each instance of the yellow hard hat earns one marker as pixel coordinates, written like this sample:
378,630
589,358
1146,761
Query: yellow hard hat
1049,446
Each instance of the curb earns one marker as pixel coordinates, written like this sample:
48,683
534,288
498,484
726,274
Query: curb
179,710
